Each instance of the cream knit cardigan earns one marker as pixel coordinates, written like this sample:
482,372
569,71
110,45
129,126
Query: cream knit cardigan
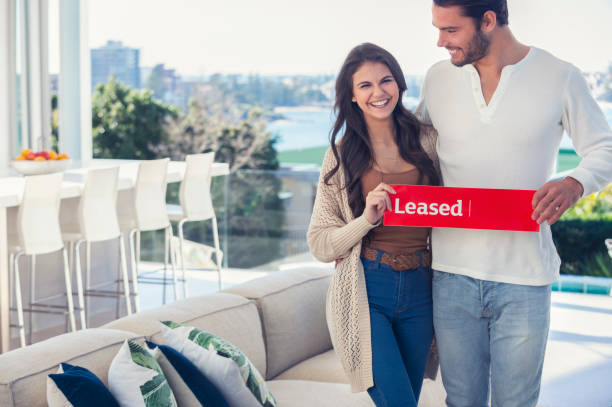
334,233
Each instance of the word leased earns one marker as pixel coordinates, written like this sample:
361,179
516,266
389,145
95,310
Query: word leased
422,208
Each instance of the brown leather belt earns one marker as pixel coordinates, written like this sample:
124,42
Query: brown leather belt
399,262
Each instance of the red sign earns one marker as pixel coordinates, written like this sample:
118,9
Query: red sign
468,208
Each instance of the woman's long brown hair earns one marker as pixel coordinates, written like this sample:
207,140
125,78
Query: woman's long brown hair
355,154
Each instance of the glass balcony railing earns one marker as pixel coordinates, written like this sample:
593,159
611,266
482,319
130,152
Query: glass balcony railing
263,217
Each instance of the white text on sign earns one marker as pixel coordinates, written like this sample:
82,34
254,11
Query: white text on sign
422,208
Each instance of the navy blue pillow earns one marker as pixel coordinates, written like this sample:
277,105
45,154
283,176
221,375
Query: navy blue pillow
83,388
200,386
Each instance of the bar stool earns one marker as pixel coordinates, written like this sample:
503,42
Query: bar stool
97,222
146,211
38,232
196,205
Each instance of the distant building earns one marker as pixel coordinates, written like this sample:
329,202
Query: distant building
114,59
167,85
185,91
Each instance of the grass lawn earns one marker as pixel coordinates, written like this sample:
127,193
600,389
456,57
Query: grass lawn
313,155
566,160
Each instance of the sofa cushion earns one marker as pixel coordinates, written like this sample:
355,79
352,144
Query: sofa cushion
221,370
303,393
324,367
230,316
189,385
24,384
136,379
213,343
292,309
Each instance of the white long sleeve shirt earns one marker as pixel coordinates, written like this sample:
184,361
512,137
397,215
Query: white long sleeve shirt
511,143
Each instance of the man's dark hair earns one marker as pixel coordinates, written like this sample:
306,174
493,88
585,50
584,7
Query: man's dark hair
477,8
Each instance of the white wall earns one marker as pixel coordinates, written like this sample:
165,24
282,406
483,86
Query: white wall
7,82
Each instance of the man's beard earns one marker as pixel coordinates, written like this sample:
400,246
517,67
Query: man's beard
477,48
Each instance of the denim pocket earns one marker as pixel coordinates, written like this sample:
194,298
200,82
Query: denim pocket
440,275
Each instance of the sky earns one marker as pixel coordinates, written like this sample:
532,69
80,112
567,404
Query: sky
202,37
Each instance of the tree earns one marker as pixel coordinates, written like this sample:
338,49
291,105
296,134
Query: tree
243,143
127,123
255,211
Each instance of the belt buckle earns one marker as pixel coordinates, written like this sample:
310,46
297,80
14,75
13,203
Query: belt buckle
394,262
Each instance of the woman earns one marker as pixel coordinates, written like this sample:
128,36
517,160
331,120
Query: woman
379,309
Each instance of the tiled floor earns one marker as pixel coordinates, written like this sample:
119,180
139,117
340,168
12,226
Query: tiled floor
578,364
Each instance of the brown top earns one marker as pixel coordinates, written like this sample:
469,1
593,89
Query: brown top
394,239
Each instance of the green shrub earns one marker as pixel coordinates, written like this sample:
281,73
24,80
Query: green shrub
579,240
580,234
599,265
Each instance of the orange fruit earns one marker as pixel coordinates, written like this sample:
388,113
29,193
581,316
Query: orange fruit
39,158
62,156
25,152
19,158
52,155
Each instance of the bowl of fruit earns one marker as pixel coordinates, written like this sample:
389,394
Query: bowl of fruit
44,162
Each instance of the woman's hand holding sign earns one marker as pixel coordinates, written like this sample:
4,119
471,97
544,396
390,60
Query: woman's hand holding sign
377,202
554,198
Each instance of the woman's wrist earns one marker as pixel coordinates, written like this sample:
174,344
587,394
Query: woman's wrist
369,218
373,222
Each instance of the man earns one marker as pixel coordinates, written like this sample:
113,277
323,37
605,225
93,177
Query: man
500,108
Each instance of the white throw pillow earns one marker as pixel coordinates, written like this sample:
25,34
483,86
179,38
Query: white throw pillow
221,371
136,379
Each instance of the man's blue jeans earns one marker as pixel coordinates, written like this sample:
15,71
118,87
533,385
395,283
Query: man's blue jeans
401,330
489,332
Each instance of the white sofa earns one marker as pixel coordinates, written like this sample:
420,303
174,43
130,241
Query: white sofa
277,320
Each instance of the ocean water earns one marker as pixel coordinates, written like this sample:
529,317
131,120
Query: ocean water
303,129
308,127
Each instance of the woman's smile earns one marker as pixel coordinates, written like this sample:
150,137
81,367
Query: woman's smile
381,103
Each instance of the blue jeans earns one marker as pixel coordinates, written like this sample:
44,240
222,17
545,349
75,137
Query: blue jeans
402,331
490,333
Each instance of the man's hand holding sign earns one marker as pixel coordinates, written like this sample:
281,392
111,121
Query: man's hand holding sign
554,198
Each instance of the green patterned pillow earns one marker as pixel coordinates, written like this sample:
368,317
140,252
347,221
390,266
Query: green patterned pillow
250,375
136,380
